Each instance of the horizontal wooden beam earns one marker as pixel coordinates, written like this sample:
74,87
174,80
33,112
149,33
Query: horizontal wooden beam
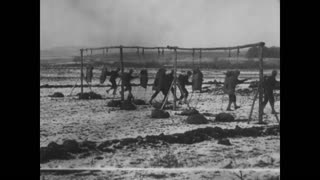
179,48
218,48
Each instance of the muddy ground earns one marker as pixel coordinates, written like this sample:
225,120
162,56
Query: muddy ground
69,118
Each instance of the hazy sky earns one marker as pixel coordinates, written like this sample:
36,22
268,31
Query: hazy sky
186,23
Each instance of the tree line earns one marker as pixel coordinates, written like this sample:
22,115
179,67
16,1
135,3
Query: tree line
271,52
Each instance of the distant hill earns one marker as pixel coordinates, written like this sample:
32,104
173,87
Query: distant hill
59,52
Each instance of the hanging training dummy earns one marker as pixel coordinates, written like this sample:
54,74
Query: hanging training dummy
89,73
144,78
159,80
104,73
197,80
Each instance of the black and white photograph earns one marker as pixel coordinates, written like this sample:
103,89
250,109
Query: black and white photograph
160,89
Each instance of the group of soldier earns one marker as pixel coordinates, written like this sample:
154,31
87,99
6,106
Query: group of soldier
163,83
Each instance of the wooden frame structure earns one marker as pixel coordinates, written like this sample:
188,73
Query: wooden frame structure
176,48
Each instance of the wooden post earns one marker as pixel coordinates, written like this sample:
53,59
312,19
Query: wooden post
122,71
175,80
200,58
261,82
162,51
193,57
81,76
253,102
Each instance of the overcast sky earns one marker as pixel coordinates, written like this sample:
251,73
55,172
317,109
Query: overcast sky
186,23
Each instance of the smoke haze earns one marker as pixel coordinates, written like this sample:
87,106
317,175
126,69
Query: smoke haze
186,23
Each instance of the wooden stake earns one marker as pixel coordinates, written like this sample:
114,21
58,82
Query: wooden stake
165,100
175,80
193,57
200,57
81,76
254,100
261,83
122,71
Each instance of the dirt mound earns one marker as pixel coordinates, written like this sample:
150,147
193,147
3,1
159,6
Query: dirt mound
157,113
224,117
189,112
90,95
196,119
57,94
94,95
114,103
127,105
71,147
224,141
53,151
139,102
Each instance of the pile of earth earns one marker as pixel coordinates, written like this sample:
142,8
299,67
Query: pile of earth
196,119
89,95
158,114
70,147
189,112
127,105
57,94
224,117
64,151
114,103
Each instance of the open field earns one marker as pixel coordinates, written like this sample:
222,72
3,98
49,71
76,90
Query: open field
69,118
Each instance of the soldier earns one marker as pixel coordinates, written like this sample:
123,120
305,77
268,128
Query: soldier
168,81
230,83
269,85
162,83
126,80
113,76
159,83
183,80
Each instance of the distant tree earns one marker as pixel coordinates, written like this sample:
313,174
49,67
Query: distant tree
272,52
76,59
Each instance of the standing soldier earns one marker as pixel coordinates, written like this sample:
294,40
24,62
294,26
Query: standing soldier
268,86
230,83
113,76
159,83
126,80
183,80
168,81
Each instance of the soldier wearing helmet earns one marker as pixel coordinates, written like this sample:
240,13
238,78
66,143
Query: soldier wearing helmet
230,83
126,80
269,85
183,80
